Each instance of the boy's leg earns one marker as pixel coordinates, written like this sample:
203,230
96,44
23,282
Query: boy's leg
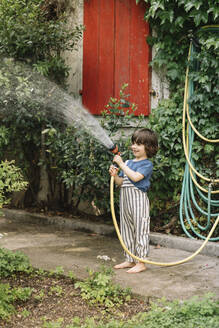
142,221
127,229
127,224
142,228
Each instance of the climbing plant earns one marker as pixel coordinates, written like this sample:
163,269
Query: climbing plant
174,23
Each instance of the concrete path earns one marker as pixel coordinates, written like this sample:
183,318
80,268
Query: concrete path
51,245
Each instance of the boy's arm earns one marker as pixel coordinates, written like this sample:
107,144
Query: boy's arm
132,175
118,180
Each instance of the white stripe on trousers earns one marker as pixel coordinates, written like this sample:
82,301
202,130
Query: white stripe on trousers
135,221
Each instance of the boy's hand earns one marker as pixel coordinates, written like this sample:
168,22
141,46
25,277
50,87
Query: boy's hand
118,160
113,171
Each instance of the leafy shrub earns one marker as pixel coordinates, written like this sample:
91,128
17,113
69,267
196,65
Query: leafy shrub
166,119
169,163
174,23
30,31
13,262
11,179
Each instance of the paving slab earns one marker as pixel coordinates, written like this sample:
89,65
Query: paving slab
51,246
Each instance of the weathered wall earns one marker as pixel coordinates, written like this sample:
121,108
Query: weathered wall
74,59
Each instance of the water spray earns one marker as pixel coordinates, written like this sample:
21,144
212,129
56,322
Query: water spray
21,85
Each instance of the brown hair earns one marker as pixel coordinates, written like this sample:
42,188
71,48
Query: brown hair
148,138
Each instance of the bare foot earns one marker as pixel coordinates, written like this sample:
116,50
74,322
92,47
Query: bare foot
139,267
124,265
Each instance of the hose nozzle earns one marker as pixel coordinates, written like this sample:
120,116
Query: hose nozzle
115,150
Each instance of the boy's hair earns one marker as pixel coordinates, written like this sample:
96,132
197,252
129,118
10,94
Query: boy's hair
148,138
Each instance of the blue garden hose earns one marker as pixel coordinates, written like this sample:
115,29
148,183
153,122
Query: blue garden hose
188,201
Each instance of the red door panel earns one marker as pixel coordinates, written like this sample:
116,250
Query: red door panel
139,58
115,52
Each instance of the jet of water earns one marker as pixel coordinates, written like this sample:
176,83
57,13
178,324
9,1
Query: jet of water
18,82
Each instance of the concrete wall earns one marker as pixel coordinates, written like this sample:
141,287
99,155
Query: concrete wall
74,59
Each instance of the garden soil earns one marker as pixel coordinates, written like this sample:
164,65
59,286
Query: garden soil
49,246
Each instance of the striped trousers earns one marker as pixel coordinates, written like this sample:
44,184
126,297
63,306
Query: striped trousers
135,221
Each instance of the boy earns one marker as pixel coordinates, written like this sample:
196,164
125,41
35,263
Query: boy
134,181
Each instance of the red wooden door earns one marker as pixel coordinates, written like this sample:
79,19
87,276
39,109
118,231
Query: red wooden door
115,52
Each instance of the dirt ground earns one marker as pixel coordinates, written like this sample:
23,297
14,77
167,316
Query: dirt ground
49,304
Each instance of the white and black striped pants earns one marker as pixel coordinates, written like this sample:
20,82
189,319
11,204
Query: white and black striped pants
135,221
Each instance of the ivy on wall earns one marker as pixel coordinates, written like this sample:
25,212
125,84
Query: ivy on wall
174,21
174,24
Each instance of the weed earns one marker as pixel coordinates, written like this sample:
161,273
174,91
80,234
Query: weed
8,296
98,289
52,324
56,290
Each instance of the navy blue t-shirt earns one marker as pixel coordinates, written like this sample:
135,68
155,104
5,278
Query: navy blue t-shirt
145,167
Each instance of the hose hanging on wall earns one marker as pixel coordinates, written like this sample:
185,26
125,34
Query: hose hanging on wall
188,203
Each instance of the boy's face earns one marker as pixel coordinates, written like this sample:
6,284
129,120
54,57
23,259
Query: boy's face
139,151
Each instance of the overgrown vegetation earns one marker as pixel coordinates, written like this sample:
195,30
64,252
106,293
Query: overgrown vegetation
35,32
76,165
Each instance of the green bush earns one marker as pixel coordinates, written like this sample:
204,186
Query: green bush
166,120
11,179
37,31
13,262
174,22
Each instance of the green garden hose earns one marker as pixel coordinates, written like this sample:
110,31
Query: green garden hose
188,201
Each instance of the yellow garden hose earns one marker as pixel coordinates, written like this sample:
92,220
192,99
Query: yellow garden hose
148,261
185,143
